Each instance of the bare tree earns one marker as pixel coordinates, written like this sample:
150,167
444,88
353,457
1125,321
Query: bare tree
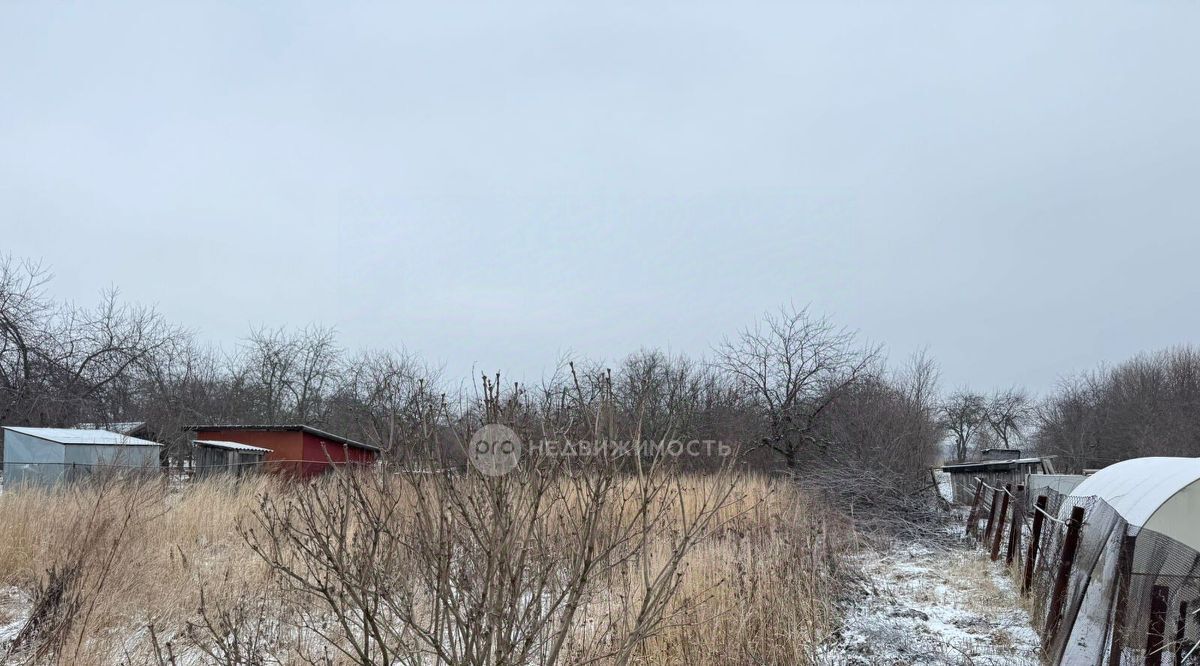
319,362
292,372
389,399
61,363
1009,413
792,367
271,361
24,309
963,414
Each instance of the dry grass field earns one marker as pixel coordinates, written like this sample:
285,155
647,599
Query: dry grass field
373,568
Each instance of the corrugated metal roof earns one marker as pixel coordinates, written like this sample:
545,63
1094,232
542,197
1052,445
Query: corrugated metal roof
977,465
1136,488
125,428
82,436
232,446
284,428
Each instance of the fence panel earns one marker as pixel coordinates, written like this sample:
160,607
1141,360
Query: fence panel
1132,595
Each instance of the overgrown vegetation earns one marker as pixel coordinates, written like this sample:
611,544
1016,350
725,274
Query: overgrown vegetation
377,568
718,538
1146,406
773,390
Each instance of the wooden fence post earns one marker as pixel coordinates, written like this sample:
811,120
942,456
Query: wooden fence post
1035,538
1000,525
1124,572
987,531
1155,634
1018,521
1058,595
973,516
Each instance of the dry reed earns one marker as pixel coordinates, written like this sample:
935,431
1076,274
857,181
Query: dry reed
133,558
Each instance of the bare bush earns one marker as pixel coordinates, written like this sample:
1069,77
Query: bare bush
760,583
883,436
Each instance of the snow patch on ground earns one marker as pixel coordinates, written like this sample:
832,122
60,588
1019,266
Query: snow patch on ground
945,485
922,605
14,610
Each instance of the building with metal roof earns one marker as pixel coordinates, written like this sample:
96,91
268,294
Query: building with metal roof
293,449
995,473
46,456
1160,494
131,428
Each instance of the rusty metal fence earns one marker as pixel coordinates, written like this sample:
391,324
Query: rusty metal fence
1099,591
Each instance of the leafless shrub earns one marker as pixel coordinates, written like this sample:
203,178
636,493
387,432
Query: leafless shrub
472,570
883,436
760,583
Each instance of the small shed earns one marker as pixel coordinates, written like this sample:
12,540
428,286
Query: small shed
298,450
212,457
995,473
46,456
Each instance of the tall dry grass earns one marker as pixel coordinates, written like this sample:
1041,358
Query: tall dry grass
113,569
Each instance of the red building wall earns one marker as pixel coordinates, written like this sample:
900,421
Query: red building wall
320,453
293,451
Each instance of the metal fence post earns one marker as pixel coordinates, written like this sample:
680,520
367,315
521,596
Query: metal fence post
973,516
987,531
1124,571
1155,633
1035,538
1018,521
1180,632
1058,595
999,533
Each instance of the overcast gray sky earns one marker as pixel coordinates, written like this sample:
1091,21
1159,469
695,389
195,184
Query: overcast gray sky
1012,185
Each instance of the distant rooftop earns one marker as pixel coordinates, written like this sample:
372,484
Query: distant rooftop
980,465
82,436
231,446
125,427
285,428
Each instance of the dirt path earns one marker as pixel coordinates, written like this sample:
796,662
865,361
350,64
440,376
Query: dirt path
929,606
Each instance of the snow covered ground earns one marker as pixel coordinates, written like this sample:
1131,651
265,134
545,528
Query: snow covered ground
922,605
14,609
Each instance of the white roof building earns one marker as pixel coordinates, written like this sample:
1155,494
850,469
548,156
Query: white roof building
82,436
1159,494
48,456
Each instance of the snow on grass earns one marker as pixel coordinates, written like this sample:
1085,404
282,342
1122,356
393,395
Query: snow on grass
14,610
922,605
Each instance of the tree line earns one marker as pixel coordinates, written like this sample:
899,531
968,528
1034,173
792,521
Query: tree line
1146,406
793,391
